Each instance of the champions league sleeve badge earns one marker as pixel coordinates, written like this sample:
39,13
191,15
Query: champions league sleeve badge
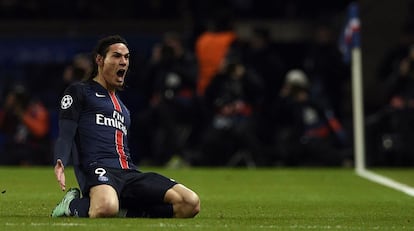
66,102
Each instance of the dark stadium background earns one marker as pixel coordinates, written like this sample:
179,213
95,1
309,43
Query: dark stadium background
38,38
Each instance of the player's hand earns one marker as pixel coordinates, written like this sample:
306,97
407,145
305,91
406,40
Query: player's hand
60,174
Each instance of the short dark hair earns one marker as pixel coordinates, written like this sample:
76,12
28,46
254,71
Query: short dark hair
104,43
102,48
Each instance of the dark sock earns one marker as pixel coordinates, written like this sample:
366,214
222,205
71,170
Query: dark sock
156,211
79,207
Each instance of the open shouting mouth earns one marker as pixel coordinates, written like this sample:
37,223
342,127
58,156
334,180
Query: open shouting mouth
120,73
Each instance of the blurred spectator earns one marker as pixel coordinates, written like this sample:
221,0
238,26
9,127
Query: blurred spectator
401,83
392,57
231,100
261,56
166,128
308,133
326,70
80,68
392,127
25,124
212,46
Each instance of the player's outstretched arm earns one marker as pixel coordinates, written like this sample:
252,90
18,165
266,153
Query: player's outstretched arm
63,147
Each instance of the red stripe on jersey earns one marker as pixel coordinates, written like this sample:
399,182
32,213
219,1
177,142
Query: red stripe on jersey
117,106
119,136
119,140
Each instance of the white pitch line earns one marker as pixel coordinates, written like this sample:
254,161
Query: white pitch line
386,181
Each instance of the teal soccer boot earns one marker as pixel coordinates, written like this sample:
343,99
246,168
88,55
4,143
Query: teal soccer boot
62,209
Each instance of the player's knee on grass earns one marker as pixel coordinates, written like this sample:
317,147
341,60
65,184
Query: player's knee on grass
104,202
193,202
186,203
106,208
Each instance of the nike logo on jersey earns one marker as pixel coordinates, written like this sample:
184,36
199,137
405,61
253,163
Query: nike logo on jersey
99,95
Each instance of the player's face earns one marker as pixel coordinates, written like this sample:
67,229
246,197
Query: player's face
115,66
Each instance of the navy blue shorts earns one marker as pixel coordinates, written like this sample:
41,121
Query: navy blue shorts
134,188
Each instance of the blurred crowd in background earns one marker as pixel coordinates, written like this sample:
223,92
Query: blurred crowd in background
210,95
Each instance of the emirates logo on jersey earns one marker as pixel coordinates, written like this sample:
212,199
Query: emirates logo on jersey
117,121
66,102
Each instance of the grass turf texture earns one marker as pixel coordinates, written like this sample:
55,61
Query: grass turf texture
232,199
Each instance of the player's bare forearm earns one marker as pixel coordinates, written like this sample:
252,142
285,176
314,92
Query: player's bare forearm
60,174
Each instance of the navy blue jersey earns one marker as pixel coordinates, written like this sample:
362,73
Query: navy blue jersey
102,125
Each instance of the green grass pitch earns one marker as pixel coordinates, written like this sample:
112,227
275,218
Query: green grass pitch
232,199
